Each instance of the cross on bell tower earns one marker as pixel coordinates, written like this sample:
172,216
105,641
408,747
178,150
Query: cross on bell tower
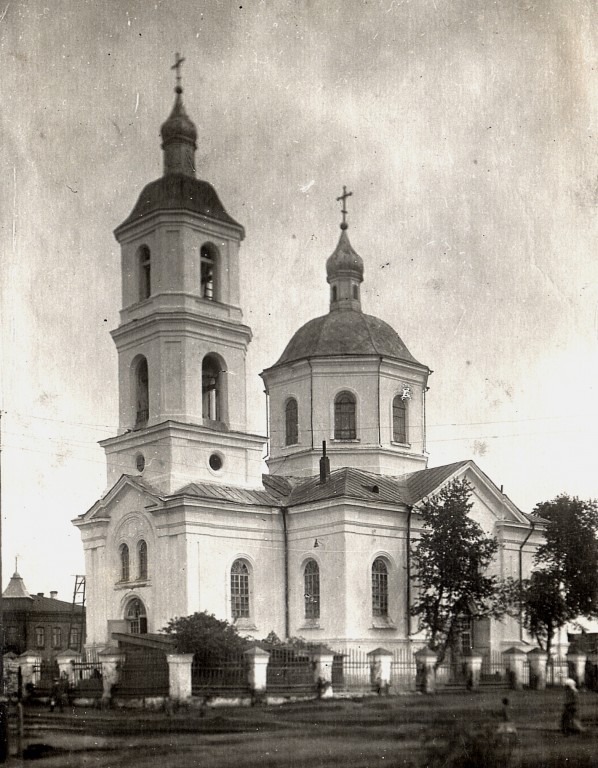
178,61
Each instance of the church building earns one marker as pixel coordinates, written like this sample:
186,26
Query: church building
320,546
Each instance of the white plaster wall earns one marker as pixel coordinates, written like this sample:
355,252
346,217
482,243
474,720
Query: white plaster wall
315,387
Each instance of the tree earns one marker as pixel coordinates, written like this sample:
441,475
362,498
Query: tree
451,559
207,637
564,584
544,607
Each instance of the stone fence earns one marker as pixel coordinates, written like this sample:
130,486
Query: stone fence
380,672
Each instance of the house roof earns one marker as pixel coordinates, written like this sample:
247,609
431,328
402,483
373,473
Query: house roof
35,604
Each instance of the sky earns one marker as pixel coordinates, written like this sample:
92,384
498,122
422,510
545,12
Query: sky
466,130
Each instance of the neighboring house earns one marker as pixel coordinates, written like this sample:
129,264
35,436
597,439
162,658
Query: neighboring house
320,547
38,623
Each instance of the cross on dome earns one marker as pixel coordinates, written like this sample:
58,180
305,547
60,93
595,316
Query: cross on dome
344,197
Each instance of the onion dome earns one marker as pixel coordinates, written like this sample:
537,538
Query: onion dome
179,136
345,260
179,125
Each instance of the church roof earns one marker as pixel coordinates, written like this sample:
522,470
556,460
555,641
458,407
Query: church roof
16,588
345,333
229,493
179,192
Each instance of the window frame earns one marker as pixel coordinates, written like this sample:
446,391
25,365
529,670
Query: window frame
137,622
291,422
40,632
142,560
75,638
124,561
144,258
141,392
209,256
240,589
311,590
379,584
345,419
56,638
212,394
399,419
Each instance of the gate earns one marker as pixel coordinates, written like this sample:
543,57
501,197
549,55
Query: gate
144,674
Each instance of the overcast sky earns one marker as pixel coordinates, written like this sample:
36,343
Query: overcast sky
467,131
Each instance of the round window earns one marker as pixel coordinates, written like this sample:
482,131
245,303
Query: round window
140,462
216,462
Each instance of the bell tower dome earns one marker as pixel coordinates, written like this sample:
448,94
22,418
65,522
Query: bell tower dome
181,340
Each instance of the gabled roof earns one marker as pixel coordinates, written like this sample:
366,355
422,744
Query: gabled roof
228,493
426,481
353,484
407,490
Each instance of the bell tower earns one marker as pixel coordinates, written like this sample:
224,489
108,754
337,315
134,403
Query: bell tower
181,340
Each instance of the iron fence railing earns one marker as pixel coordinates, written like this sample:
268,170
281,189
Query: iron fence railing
225,675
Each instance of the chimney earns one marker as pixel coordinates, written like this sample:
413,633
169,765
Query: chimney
324,464
53,594
40,594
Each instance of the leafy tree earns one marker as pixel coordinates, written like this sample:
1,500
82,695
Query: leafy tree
571,550
451,559
564,584
544,607
207,637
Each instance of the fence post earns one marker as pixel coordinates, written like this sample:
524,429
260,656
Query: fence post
472,666
111,660
322,659
257,661
425,659
514,661
380,666
179,676
66,660
576,666
537,669
28,662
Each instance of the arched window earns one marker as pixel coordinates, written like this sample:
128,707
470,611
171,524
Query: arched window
145,273
239,590
379,587
311,582
142,559
344,417
291,414
124,562
208,258
334,293
141,394
399,419
136,617
355,292
211,388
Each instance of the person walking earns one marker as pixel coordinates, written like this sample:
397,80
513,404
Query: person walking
570,722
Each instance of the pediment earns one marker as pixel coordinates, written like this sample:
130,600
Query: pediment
491,505
128,492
